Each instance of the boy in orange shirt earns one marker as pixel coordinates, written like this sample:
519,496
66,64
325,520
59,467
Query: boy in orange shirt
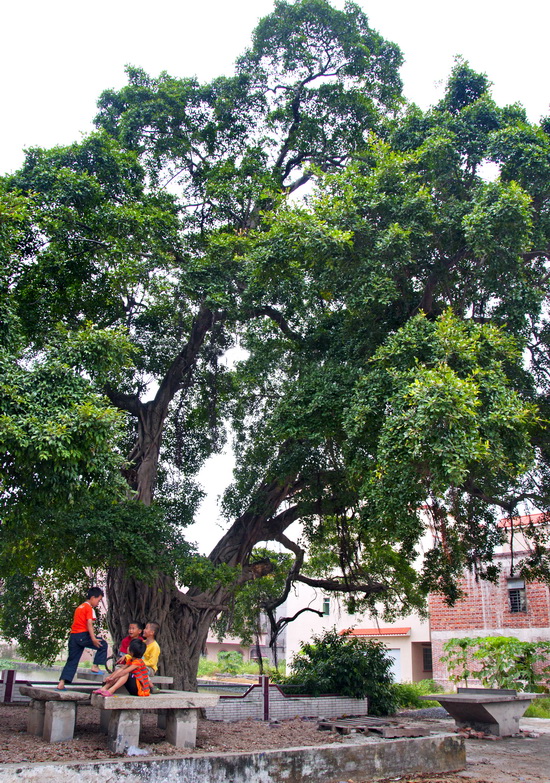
82,635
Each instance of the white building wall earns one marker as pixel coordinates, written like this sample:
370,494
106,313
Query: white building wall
309,624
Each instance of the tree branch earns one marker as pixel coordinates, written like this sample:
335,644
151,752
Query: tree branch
426,303
335,585
124,402
278,625
279,319
185,360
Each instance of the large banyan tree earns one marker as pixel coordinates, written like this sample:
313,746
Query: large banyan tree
394,366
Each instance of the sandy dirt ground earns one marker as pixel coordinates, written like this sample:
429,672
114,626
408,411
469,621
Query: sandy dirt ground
511,760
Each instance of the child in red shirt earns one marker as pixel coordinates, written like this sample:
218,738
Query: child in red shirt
135,631
134,675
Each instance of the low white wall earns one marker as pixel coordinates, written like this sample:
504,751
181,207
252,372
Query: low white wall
280,707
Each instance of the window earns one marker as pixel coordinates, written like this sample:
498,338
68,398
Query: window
516,595
427,662
326,606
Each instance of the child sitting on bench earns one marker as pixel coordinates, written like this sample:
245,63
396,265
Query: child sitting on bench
151,657
133,675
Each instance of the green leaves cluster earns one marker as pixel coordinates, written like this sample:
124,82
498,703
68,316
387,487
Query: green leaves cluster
440,412
498,661
400,392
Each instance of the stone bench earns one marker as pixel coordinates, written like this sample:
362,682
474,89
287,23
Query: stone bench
121,716
491,710
52,713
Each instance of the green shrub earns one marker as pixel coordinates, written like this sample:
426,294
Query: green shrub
274,673
353,667
207,668
230,662
8,663
408,694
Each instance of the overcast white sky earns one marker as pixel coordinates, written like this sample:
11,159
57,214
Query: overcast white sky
57,56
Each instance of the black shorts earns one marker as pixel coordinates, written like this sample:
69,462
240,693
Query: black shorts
131,685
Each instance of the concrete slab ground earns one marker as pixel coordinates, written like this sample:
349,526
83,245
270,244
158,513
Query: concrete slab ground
511,760
506,759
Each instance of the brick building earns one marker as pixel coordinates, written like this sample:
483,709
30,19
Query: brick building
512,607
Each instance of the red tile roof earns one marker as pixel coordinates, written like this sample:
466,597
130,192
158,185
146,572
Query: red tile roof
523,521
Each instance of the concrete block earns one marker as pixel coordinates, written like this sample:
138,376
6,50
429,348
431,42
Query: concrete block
35,717
161,719
124,727
181,728
91,677
51,694
397,758
492,711
59,720
104,718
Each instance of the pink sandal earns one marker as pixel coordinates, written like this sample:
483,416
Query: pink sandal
102,692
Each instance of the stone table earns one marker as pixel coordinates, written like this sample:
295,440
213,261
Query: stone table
492,710
156,679
180,708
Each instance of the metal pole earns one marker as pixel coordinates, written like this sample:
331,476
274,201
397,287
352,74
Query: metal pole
8,675
264,680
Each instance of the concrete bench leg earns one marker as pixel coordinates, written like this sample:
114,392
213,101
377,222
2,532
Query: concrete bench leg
161,719
35,717
59,720
181,728
104,718
124,729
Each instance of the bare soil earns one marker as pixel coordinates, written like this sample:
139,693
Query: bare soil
511,760
90,743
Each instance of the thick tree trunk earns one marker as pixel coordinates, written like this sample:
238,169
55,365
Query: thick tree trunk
184,624
143,460
185,619
259,652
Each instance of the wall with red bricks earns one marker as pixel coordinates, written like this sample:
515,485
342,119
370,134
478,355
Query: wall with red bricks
485,611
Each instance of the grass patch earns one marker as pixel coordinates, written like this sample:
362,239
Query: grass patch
539,708
10,663
408,694
209,668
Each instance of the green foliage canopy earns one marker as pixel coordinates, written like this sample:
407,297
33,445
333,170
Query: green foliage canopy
386,319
